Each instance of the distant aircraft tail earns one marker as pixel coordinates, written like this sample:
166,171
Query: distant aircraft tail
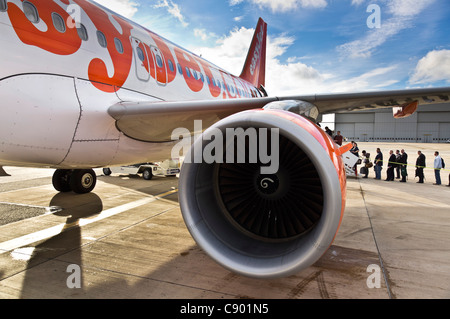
255,65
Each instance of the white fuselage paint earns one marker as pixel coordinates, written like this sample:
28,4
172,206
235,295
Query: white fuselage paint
53,116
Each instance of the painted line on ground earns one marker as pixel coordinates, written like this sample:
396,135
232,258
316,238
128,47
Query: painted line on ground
55,230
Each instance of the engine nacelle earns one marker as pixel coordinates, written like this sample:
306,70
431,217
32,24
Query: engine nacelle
258,224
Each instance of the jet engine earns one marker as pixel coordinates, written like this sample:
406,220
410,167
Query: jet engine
253,220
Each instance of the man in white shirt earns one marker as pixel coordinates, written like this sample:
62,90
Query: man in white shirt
437,168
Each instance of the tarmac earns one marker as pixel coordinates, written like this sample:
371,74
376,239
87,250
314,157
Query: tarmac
127,240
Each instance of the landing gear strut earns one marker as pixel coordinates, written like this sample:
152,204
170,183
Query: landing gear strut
80,181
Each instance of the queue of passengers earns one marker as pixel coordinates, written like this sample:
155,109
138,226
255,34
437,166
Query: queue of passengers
397,165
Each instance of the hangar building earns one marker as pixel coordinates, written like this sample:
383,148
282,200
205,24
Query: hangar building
430,124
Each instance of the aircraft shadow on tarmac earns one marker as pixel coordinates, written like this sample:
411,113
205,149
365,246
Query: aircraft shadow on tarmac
69,240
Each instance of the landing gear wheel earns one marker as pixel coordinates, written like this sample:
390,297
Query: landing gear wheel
61,180
83,181
147,174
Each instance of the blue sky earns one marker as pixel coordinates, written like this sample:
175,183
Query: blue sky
314,46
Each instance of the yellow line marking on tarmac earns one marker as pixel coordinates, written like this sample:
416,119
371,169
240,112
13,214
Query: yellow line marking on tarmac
55,230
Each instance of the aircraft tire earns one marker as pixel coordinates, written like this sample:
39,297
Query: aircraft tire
83,181
61,180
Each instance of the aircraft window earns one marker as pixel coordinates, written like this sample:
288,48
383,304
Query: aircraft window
159,61
119,46
202,77
30,12
171,68
3,5
208,80
82,33
180,69
140,54
195,74
101,39
187,72
58,22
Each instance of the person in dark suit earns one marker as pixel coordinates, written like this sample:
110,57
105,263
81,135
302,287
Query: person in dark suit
403,166
378,164
420,165
390,166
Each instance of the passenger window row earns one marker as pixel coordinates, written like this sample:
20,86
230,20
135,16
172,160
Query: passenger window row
216,83
32,15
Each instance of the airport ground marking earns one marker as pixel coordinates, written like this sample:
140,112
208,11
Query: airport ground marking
55,230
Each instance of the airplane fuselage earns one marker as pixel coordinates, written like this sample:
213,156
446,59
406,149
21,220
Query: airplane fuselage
65,62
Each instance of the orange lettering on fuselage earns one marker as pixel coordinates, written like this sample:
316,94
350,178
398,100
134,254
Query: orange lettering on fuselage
146,62
167,57
51,40
159,61
214,89
97,72
189,66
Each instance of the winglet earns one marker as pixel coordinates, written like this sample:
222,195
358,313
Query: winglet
254,70
344,149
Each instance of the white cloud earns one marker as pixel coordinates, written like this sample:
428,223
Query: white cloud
407,8
435,66
399,15
291,77
357,2
373,79
203,34
363,48
286,5
126,8
173,9
230,51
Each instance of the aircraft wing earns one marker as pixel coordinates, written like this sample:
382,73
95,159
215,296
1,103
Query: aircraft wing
338,103
155,121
